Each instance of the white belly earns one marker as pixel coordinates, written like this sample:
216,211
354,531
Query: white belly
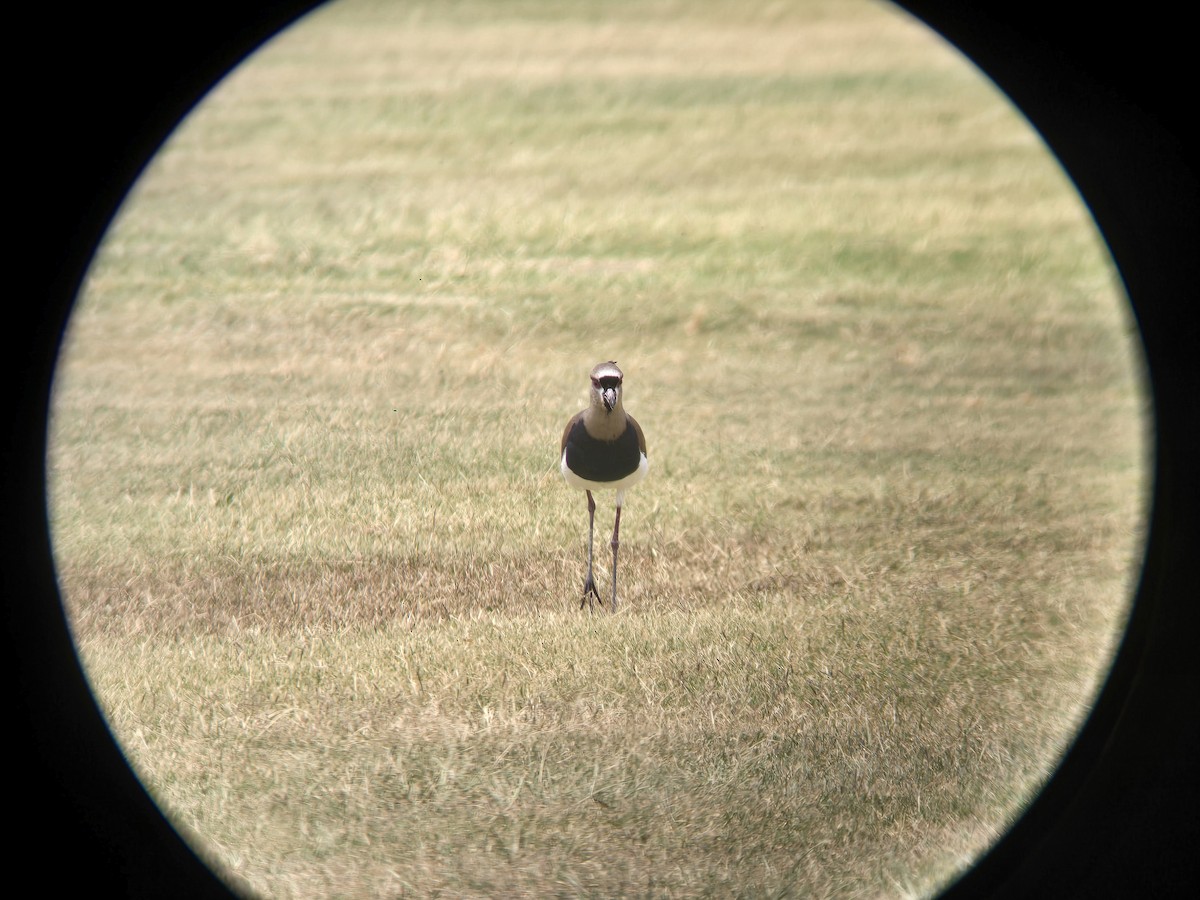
620,485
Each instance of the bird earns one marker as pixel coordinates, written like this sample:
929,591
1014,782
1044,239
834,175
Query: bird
603,448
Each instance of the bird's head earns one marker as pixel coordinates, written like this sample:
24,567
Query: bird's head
606,386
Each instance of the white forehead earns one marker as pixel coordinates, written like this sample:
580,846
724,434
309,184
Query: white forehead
607,370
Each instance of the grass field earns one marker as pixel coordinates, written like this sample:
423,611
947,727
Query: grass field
322,569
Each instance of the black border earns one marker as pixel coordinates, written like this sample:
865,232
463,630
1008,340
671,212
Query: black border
1111,91
98,90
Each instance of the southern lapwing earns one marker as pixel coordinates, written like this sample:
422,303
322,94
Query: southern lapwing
603,448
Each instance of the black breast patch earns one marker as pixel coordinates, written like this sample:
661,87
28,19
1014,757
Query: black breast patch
598,460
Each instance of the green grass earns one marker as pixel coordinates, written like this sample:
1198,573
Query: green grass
321,567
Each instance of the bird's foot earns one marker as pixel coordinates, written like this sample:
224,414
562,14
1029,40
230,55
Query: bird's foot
590,594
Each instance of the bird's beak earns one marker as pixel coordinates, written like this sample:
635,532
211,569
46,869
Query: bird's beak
609,396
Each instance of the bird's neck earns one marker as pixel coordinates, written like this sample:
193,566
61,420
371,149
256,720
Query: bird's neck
603,424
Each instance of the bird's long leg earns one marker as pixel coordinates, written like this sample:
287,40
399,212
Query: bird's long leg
615,544
590,594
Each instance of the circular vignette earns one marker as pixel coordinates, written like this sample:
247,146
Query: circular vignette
1114,818
126,77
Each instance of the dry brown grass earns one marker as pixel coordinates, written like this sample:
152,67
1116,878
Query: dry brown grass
322,569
